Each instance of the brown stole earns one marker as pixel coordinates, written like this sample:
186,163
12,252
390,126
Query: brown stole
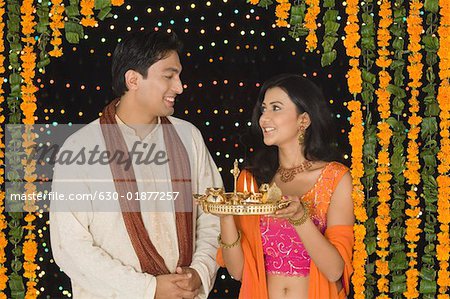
125,181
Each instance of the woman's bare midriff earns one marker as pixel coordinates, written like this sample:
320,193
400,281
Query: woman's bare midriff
289,287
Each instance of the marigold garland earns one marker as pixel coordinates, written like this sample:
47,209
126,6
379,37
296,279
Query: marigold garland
412,175
28,107
282,12
356,139
87,11
29,251
384,136
351,47
3,224
443,180
311,23
56,23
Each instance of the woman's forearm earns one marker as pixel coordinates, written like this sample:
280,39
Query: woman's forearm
234,256
322,252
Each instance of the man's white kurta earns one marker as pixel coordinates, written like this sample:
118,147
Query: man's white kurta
89,239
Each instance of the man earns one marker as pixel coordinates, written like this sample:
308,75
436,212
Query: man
125,242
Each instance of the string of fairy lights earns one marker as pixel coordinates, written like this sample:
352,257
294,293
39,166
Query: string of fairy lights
230,48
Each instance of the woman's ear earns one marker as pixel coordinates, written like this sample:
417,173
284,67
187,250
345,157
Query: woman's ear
304,120
131,79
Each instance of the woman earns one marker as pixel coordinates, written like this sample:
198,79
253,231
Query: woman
305,249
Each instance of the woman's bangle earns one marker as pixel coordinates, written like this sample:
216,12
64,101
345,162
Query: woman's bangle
225,245
301,220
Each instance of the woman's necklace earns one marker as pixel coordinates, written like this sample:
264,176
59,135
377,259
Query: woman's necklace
288,174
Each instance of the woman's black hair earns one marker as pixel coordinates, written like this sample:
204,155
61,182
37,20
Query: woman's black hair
319,142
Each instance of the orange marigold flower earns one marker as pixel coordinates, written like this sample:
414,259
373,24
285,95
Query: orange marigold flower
120,2
3,278
29,250
88,22
29,267
281,23
56,52
30,218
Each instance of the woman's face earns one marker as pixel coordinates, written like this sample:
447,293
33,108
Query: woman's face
280,120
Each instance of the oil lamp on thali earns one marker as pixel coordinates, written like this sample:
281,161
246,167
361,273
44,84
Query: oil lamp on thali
247,202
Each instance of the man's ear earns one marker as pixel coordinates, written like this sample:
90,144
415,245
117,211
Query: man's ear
132,79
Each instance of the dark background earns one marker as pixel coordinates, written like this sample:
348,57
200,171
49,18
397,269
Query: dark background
222,79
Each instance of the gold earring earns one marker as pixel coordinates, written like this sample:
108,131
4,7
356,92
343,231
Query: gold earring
301,135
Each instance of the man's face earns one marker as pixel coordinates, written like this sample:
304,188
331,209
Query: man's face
155,95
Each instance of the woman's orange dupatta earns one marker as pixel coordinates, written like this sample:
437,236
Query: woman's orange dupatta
253,283
254,274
